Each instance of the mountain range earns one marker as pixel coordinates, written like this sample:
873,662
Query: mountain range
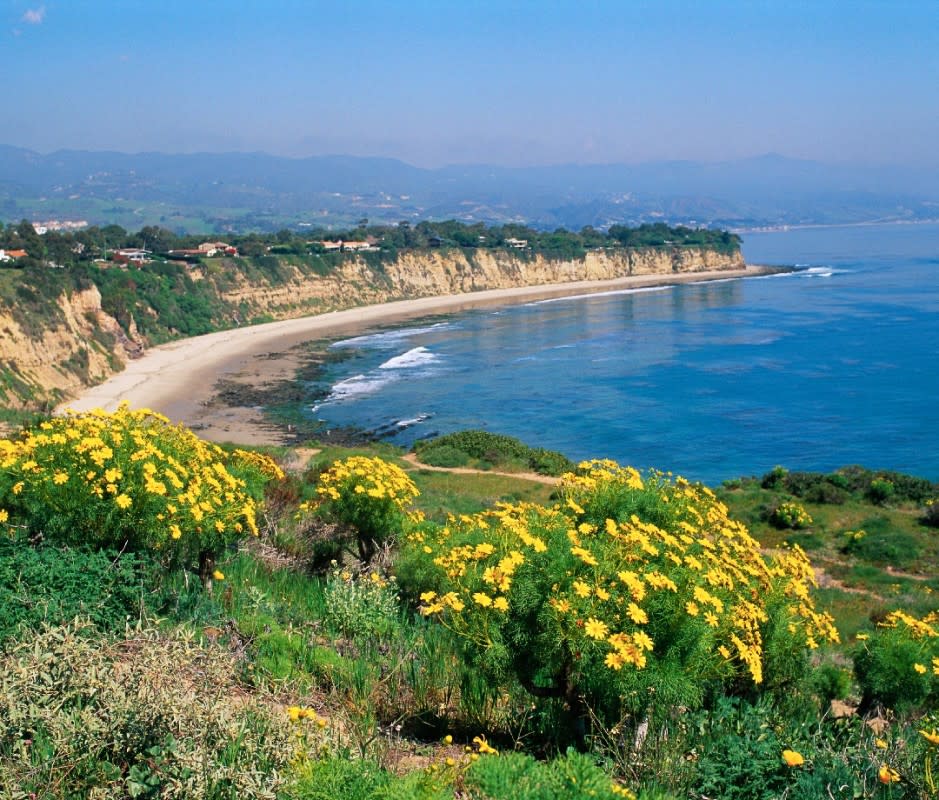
205,192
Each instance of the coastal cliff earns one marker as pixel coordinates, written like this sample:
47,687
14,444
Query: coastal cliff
440,272
58,339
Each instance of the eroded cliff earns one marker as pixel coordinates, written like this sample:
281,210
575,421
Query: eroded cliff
47,357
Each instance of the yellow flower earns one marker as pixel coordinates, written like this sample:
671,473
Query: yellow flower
920,668
887,775
862,637
614,661
792,758
880,744
122,500
448,739
175,532
483,745
59,478
500,604
637,615
581,589
482,599
426,597
218,575
4,515
595,629
932,738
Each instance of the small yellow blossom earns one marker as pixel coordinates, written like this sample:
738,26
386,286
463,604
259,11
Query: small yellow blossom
218,575
792,758
887,775
122,500
931,736
596,629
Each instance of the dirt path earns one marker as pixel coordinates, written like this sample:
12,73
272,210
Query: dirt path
411,458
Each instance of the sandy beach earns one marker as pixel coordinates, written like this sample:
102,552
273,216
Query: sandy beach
179,379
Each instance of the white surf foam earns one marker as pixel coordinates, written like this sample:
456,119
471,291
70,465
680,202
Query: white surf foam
415,357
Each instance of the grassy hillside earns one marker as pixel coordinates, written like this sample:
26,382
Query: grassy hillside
147,664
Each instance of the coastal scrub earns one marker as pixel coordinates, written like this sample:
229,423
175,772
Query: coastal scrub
130,480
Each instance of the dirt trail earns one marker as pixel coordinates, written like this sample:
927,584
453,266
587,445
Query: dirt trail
411,458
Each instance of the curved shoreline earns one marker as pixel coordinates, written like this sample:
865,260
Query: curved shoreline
178,379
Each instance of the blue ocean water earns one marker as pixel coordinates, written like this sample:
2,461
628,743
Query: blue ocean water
835,364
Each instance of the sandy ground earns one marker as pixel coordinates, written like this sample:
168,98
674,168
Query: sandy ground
178,379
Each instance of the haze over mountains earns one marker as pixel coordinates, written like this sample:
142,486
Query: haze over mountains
256,191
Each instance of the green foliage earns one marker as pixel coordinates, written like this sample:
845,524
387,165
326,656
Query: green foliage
897,666
517,776
44,584
360,605
496,450
880,543
445,455
147,715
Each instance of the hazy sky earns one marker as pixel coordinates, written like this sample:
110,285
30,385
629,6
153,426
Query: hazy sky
493,81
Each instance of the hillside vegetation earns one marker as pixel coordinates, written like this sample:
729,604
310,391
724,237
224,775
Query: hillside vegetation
180,620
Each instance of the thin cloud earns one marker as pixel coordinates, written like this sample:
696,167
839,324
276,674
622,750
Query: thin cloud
35,16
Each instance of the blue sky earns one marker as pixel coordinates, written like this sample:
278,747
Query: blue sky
495,81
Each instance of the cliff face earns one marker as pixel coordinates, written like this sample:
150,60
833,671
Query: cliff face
79,345
440,272
83,346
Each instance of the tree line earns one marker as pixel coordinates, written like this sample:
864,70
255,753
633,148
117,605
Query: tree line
67,248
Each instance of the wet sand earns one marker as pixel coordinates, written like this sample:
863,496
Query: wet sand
179,379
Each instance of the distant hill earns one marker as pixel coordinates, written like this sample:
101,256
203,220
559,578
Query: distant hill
205,192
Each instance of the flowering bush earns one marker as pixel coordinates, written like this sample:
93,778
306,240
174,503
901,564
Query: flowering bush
369,496
790,515
898,666
628,588
129,479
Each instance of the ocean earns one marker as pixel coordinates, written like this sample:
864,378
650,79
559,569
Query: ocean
834,364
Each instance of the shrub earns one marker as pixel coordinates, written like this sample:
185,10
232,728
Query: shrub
360,605
898,665
128,480
931,513
790,515
369,497
631,590
55,584
492,450
516,776
148,715
881,490
445,455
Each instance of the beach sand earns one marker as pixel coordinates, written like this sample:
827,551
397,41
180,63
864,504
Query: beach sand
180,379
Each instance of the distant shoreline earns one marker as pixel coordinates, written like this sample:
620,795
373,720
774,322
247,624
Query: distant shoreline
829,225
179,379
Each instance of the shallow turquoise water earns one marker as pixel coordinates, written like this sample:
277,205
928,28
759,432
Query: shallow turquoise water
835,364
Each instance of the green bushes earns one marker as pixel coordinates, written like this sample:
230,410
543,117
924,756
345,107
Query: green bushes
836,487
897,666
47,584
490,450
